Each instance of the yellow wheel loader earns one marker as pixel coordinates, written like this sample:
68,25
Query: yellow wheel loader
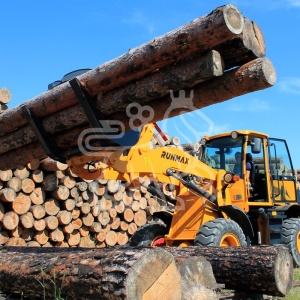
217,201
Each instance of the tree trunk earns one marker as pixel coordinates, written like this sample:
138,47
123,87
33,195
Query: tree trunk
244,47
5,95
145,273
253,76
259,269
99,273
197,36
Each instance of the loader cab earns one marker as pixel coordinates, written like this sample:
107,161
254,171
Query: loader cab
271,180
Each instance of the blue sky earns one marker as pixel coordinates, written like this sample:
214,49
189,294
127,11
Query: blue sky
44,40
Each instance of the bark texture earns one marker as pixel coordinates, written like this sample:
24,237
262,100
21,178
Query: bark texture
90,273
257,269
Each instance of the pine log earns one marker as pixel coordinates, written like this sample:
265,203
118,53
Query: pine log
200,35
37,176
6,175
48,164
140,218
15,241
244,47
255,269
132,227
93,186
183,75
33,164
87,219
123,226
104,218
197,278
84,230
56,235
5,95
27,234
33,244
96,210
115,224
82,186
51,207
101,235
3,108
128,215
96,227
38,211
21,172
7,195
37,196
77,223
73,238
28,185
10,220
17,232
68,228
39,225
69,204
64,217
51,222
42,237
27,221
68,181
21,204
86,242
50,183
254,76
122,238
15,184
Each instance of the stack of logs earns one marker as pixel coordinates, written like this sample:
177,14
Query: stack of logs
45,204
212,59
5,97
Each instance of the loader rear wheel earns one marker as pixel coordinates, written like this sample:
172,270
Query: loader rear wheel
220,232
291,238
149,235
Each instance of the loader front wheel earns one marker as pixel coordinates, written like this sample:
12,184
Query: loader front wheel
220,232
291,238
149,235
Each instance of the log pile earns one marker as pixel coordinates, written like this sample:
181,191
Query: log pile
213,58
5,97
145,273
44,204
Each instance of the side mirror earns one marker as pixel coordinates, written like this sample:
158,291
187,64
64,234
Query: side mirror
256,146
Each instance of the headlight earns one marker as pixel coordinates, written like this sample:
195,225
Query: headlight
229,177
234,134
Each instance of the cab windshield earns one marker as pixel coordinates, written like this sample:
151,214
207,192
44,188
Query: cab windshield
223,153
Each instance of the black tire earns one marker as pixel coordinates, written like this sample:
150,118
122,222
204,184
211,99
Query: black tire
148,233
291,238
220,232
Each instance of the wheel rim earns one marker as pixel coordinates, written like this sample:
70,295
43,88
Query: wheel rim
298,242
230,239
158,242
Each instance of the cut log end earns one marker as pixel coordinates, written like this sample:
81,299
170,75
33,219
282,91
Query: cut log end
284,271
268,71
233,18
161,276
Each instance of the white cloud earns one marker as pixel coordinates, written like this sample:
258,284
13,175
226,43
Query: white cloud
290,85
138,18
294,3
253,105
